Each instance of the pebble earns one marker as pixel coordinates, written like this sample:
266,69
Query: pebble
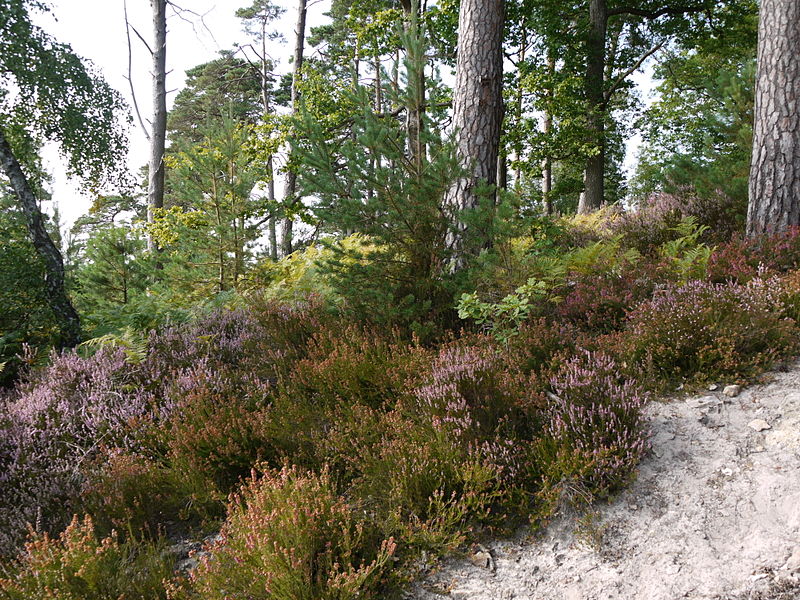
713,387
759,425
793,564
732,390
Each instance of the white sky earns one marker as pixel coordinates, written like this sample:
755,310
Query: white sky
96,31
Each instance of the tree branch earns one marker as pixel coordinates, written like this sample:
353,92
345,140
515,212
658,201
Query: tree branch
654,14
621,79
130,70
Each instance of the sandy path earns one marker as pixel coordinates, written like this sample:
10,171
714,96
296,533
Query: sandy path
714,513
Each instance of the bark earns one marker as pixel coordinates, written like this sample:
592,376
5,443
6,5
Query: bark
68,319
477,113
290,187
594,175
775,168
155,187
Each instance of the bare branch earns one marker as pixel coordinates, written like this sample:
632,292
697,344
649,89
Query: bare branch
654,14
621,79
130,71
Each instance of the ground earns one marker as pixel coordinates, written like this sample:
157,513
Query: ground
713,514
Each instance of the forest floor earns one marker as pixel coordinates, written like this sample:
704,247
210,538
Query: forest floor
713,514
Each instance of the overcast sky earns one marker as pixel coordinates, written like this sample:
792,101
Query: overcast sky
96,31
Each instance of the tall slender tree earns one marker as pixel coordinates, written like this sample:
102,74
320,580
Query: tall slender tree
477,112
775,170
158,133
257,19
290,186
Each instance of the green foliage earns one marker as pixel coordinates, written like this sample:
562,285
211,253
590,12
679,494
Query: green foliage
503,318
48,93
366,184
688,257
132,343
25,317
289,535
79,566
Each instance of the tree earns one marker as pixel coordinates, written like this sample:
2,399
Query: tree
257,19
775,171
47,93
158,132
477,109
290,186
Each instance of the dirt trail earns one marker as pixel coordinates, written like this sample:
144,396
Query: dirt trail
713,514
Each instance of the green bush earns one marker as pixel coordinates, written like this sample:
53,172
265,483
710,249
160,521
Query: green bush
79,566
289,536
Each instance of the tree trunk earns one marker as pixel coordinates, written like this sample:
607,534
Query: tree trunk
547,164
416,82
290,186
594,175
68,319
267,106
155,187
477,114
775,168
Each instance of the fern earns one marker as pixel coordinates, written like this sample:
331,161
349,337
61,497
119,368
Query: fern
133,344
688,256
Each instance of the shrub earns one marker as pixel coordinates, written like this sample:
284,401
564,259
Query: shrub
78,566
145,498
703,330
51,426
654,223
596,433
289,535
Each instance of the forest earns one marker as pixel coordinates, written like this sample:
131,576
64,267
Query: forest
383,297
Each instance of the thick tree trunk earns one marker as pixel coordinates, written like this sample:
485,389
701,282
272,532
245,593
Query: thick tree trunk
594,175
290,187
68,320
775,168
477,112
155,187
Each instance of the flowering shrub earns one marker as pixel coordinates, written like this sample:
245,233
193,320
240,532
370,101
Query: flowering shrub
654,223
51,426
702,330
596,432
78,566
289,535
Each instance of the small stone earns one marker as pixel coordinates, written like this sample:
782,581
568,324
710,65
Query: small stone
793,564
758,577
713,387
732,390
483,559
759,425
758,449
703,402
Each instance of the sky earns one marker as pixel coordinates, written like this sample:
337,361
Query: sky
96,31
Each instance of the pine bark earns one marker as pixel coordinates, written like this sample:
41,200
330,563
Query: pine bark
594,174
775,169
290,186
155,187
477,112
67,317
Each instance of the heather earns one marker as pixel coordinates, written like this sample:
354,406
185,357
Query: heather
331,453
